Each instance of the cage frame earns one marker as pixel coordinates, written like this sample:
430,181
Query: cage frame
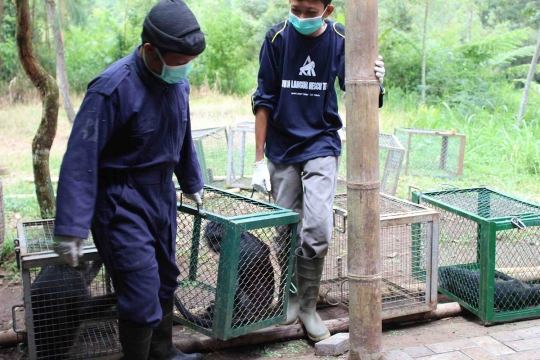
228,264
445,135
425,215
27,261
198,135
243,128
486,255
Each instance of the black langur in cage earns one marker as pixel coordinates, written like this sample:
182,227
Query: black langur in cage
255,284
509,293
61,300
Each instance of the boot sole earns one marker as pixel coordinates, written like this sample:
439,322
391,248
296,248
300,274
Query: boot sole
320,338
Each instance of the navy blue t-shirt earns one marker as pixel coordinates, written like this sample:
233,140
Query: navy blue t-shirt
296,81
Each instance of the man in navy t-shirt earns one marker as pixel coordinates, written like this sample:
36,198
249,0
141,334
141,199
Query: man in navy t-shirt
296,127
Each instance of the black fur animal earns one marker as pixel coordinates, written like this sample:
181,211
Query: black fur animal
61,301
509,294
255,282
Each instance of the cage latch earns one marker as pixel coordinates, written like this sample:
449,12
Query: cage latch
14,318
17,245
518,223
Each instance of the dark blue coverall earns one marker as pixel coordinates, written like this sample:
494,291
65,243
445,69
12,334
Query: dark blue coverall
130,134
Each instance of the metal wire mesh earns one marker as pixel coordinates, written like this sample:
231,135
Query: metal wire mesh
406,257
37,236
239,166
432,152
211,146
391,154
70,312
73,312
484,232
212,251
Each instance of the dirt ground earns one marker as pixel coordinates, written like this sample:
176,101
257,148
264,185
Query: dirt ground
394,336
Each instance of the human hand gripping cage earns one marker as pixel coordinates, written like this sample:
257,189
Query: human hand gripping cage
235,260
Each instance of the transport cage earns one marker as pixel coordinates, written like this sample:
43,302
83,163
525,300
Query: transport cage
211,146
432,152
241,155
235,258
409,235
390,158
489,254
70,313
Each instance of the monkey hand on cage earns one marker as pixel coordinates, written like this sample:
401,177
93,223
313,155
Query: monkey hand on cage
70,248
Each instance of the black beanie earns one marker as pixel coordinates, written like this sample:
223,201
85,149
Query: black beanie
171,26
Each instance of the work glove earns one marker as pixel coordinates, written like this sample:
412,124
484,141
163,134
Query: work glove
197,197
379,69
70,248
261,178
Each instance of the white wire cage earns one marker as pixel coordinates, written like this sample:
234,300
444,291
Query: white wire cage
409,238
211,147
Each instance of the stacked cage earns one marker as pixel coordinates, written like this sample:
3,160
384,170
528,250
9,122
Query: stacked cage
391,154
239,166
235,257
489,254
70,312
409,234
432,152
211,146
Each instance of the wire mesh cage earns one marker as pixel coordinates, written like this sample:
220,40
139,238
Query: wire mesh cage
489,254
235,259
70,311
391,154
239,166
409,234
432,152
211,146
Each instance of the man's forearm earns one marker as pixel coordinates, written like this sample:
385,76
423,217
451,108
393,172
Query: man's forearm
261,122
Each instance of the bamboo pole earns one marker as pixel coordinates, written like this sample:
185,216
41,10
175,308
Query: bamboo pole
363,186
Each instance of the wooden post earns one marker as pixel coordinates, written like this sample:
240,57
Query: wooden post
363,186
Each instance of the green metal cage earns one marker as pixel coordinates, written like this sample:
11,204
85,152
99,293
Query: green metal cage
489,253
235,257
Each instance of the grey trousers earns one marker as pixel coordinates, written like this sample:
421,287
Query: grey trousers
308,188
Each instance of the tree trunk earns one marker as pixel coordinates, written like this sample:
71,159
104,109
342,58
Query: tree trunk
363,184
2,218
48,91
61,72
424,36
530,76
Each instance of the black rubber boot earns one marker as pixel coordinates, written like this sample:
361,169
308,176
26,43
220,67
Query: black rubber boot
309,280
161,347
135,341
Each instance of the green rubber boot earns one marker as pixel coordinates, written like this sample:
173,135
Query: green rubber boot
309,280
293,306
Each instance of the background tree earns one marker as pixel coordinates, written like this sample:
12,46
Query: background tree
48,90
528,82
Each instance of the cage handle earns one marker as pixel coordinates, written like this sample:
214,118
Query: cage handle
416,188
199,206
17,244
269,195
14,318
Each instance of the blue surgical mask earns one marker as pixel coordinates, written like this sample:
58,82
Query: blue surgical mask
306,26
171,74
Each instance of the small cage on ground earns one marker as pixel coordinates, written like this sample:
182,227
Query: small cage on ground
70,312
211,146
390,158
409,234
241,155
432,152
235,258
488,251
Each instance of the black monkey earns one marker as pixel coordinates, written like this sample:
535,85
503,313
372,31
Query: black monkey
509,293
254,285
61,301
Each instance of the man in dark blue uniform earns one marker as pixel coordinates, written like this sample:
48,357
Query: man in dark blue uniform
131,134
296,126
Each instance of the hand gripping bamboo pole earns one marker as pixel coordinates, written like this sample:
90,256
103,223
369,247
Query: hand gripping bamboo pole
363,184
